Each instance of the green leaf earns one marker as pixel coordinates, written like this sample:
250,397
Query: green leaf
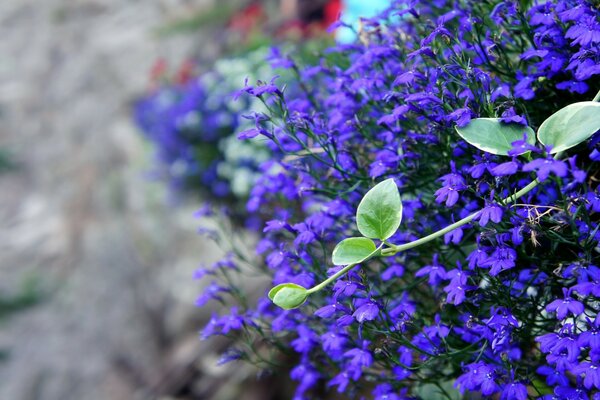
493,136
379,213
353,251
288,295
432,391
570,126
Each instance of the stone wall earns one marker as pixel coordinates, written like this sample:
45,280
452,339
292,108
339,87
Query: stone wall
112,259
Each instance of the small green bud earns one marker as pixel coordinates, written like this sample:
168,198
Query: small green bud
288,295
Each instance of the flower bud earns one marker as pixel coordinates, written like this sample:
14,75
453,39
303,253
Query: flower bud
288,295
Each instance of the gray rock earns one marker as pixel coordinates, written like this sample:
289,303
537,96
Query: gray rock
113,260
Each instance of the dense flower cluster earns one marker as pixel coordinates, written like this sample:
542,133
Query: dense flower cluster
507,305
192,124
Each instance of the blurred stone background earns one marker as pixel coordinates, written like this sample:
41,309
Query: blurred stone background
97,261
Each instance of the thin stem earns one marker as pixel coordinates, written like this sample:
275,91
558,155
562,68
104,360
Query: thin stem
510,199
393,249
331,279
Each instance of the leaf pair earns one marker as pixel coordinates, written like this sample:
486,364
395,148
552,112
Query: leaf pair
564,129
378,217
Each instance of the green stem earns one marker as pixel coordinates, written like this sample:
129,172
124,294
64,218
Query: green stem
510,199
393,249
332,278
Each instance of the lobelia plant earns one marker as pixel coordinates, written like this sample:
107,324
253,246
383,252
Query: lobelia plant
504,306
192,122
380,211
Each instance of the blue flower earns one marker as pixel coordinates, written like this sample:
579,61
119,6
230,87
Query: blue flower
333,342
359,358
435,272
457,287
506,168
452,184
387,106
231,322
591,372
479,376
565,306
545,166
491,212
514,391
501,259
366,312
305,341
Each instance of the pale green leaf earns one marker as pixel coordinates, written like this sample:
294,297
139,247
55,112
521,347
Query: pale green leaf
380,211
493,136
288,295
570,126
353,251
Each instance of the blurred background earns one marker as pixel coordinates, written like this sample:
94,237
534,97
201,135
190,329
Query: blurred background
98,242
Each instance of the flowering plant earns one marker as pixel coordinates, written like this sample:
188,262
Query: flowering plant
192,123
491,285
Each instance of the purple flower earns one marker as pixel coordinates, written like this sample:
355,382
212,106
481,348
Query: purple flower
545,166
477,258
436,272
248,134
306,375
547,341
506,168
514,391
462,116
491,212
502,317
386,392
510,116
573,86
366,312
479,169
502,90
279,60
585,32
501,259
591,337
566,306
328,310
454,236
359,358
523,89
264,87
211,328
211,292
333,342
394,271
449,192
231,322
521,146
276,225
591,372
387,105
305,341
344,288
385,160
230,355
341,380
479,376
457,287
